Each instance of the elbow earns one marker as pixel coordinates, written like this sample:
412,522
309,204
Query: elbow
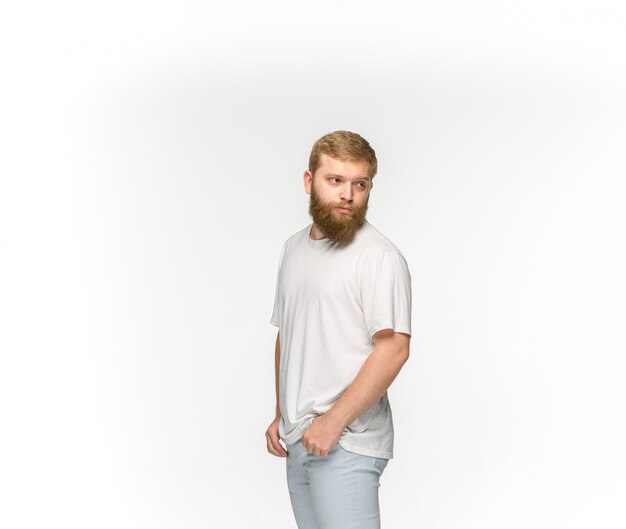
404,356
405,349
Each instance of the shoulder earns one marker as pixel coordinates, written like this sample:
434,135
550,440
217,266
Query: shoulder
294,241
372,242
298,237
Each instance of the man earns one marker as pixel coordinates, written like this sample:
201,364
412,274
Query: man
343,312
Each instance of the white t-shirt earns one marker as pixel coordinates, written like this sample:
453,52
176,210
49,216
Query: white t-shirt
330,301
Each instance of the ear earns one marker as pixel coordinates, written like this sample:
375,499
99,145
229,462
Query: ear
308,181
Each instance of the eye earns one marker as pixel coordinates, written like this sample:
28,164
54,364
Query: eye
334,180
362,184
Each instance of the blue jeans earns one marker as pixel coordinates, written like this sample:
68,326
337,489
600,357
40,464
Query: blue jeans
336,492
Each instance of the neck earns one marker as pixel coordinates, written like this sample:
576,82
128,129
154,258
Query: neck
316,233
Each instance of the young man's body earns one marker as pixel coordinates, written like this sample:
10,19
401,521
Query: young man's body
343,307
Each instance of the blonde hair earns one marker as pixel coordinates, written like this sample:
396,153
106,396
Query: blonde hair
343,145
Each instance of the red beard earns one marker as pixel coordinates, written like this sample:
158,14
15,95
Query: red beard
338,227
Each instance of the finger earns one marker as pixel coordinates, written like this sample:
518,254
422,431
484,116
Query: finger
274,446
270,444
270,447
281,452
312,449
275,440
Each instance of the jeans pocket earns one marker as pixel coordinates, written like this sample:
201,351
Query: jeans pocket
380,463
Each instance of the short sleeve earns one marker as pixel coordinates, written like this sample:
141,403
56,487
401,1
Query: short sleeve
275,319
385,289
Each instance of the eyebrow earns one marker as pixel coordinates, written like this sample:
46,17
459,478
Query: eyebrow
367,178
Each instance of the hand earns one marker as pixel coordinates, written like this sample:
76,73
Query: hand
322,436
273,439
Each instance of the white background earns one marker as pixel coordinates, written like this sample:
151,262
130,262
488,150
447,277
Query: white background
151,159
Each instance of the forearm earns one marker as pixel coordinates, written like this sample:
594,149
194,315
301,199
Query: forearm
373,379
277,373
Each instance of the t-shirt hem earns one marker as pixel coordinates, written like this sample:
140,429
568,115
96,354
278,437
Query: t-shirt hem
396,328
365,451
296,434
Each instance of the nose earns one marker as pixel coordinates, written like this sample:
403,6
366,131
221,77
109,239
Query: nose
346,192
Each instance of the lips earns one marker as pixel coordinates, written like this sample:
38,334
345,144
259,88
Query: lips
344,210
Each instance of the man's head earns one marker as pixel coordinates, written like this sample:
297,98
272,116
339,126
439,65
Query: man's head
342,166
